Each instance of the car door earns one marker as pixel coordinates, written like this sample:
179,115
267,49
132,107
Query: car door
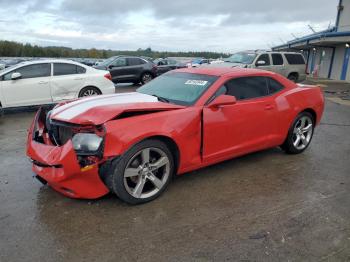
32,88
278,64
135,68
119,70
172,64
162,66
67,80
264,62
244,127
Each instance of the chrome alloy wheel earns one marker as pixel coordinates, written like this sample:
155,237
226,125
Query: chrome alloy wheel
146,173
302,132
90,92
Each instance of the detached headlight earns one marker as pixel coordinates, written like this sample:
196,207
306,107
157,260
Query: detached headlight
86,143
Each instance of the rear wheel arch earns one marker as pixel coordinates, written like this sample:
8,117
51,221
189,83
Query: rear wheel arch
294,76
312,112
89,87
309,110
289,145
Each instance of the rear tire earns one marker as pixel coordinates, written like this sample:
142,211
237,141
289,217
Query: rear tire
300,134
143,172
293,77
89,91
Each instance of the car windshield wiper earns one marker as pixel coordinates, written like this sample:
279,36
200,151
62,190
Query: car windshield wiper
162,99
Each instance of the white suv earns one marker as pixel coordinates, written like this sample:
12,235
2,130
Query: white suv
50,81
289,64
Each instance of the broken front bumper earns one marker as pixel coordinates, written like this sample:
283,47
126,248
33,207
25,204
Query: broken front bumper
59,166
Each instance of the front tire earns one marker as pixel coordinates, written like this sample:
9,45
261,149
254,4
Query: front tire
143,172
146,77
300,134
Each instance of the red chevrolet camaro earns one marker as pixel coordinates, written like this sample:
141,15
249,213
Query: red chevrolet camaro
133,143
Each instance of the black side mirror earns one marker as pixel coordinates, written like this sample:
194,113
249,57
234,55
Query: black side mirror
111,66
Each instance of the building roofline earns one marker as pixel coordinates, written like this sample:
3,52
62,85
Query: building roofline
323,34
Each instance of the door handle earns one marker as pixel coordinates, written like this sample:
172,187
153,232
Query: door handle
269,107
43,82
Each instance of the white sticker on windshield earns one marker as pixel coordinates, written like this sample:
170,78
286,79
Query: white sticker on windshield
196,82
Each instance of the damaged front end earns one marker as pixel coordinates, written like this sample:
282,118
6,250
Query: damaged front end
67,156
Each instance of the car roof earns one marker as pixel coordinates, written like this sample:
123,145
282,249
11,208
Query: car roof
268,51
50,61
220,71
40,61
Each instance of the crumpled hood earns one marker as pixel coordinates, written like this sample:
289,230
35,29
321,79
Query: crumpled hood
100,109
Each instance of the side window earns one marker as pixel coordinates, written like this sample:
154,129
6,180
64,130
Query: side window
265,58
277,59
274,86
295,59
60,69
133,61
142,61
162,62
172,62
7,76
119,62
81,70
247,87
221,91
31,71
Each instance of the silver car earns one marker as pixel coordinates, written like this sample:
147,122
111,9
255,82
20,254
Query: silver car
289,64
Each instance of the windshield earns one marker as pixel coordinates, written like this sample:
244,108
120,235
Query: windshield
242,58
107,61
178,88
196,61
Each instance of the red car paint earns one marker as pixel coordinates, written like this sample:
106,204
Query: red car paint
202,135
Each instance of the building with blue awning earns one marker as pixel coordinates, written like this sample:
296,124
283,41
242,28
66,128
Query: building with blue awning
328,51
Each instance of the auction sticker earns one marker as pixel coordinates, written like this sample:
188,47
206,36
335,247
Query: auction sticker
196,82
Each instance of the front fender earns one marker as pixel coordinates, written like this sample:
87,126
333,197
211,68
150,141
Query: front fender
182,126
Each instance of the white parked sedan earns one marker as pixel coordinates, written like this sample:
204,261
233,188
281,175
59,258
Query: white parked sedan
50,81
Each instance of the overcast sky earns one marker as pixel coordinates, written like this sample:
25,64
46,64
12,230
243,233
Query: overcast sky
172,25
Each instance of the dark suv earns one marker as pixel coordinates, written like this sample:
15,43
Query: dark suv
129,69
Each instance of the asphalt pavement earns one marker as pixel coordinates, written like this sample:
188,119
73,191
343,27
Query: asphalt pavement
266,206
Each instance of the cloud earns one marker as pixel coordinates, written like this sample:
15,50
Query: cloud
164,25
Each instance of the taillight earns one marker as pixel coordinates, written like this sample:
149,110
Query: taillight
108,76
